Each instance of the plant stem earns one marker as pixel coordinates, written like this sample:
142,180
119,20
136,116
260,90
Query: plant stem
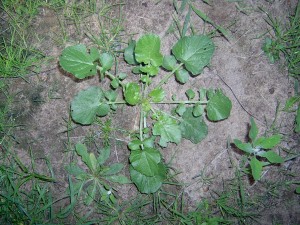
111,76
167,77
181,102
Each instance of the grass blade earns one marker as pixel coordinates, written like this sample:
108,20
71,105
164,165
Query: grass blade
204,17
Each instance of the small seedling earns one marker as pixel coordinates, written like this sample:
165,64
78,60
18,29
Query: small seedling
95,180
259,150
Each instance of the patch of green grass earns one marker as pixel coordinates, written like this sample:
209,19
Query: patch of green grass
16,60
285,39
110,26
24,197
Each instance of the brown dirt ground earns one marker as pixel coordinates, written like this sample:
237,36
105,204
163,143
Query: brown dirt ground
42,102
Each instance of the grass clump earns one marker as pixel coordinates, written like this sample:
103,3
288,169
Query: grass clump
285,40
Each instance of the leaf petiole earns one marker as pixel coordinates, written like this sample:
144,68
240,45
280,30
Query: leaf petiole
167,77
181,102
111,76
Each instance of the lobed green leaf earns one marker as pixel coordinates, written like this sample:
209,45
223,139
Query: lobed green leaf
107,61
77,61
85,105
219,106
190,94
146,184
147,50
193,128
157,95
169,62
195,52
145,161
168,129
198,110
132,93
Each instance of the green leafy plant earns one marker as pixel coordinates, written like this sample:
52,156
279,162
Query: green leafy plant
259,150
189,56
96,179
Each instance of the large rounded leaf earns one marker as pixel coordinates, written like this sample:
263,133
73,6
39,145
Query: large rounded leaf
147,50
195,52
132,93
145,161
193,128
76,60
129,53
85,105
168,129
218,107
147,184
